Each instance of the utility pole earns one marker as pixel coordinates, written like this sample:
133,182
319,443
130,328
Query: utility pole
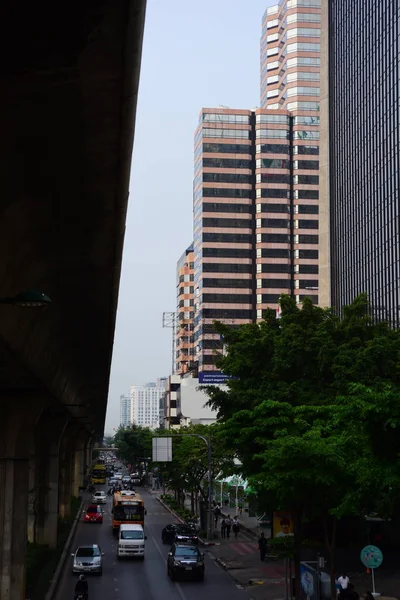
170,319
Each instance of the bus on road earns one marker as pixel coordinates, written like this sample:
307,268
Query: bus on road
128,509
98,474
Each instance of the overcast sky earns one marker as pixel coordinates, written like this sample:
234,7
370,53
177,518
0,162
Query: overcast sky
195,54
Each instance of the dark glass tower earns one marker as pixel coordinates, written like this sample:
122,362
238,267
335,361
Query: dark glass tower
364,149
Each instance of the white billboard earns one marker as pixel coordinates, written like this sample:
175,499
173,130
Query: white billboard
162,449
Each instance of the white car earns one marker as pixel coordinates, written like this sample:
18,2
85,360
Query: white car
118,476
99,498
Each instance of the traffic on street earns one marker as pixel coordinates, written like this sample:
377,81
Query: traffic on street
123,579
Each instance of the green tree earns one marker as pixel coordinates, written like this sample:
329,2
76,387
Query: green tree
189,467
133,442
290,412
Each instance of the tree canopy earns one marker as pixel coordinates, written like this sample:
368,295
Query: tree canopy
133,442
312,409
189,466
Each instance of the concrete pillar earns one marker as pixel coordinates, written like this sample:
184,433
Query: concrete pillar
68,444
78,474
43,514
32,498
19,416
65,483
88,456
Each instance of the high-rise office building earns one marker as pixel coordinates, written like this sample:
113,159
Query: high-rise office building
184,347
125,411
256,186
288,175
361,147
146,403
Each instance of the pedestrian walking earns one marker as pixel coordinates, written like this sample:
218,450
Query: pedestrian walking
235,526
262,546
344,581
228,524
223,528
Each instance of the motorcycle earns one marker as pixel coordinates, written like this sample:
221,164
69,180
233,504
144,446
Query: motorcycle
192,524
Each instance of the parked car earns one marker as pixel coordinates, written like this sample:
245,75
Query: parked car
94,514
176,532
185,561
88,559
99,498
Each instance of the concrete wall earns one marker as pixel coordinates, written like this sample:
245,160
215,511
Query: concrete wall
192,401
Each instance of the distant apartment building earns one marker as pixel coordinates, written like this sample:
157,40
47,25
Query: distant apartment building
184,347
145,401
125,411
256,186
184,404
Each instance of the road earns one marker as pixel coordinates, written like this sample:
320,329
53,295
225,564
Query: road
143,580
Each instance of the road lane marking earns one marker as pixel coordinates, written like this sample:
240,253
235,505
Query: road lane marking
177,585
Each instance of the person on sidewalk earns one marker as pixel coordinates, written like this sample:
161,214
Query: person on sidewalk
217,513
262,546
228,524
223,528
235,526
344,581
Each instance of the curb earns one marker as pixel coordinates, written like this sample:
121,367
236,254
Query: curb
60,567
221,563
171,511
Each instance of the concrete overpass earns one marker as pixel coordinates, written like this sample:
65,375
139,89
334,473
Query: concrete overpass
69,85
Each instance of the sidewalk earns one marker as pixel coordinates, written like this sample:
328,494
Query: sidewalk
266,580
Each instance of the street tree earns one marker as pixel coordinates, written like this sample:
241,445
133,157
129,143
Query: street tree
297,382
189,467
133,443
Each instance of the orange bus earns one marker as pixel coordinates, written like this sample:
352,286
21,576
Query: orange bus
128,509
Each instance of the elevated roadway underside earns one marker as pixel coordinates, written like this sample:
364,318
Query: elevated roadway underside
69,86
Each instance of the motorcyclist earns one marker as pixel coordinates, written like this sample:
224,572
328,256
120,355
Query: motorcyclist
82,587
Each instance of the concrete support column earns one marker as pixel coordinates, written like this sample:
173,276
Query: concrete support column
16,436
88,455
70,442
78,474
47,523
32,499
65,483
43,523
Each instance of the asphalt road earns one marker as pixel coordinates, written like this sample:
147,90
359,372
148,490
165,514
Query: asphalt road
142,580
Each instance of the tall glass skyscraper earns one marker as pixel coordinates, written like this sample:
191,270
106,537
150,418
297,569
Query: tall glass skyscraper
363,145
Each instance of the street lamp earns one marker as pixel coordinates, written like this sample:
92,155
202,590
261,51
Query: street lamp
30,298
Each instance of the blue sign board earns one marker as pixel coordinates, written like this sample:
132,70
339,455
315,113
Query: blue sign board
308,582
209,377
371,557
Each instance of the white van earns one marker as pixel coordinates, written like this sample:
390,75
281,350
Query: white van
131,541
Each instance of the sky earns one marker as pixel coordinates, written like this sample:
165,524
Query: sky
195,54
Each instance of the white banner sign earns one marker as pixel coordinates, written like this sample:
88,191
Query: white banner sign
162,449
